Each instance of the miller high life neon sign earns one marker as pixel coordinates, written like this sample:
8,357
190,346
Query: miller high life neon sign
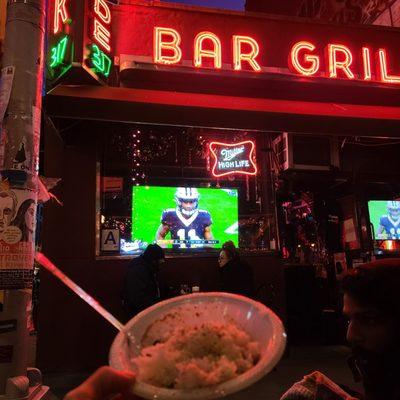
233,158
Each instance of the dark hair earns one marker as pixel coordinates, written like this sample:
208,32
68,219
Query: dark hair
153,252
376,284
230,249
19,220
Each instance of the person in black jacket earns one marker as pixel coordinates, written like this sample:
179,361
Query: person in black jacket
141,287
236,275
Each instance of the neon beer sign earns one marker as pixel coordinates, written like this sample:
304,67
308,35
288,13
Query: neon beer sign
233,158
305,58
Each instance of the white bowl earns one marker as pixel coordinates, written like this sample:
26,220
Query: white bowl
157,321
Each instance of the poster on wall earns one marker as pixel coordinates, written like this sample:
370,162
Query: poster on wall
17,225
339,259
6,81
350,235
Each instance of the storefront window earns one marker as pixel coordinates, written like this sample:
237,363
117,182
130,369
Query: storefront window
187,189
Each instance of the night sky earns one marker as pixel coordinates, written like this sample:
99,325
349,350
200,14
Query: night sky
229,4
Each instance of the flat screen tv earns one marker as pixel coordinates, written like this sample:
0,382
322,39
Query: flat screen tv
385,219
184,218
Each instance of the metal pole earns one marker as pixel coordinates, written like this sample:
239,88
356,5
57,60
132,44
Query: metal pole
24,51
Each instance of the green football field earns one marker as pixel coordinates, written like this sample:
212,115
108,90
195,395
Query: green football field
148,203
377,208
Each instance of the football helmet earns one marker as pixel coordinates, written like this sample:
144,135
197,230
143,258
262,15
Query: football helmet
187,200
393,208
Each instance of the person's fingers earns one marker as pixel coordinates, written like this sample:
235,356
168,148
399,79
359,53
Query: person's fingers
107,381
103,384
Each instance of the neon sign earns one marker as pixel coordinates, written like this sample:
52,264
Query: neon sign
233,158
101,62
384,68
310,66
57,52
304,58
249,57
167,49
99,57
61,15
200,52
60,50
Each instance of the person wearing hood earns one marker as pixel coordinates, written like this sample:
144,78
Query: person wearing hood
141,287
236,276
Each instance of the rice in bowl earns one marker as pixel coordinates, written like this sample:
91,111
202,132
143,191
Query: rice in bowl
198,356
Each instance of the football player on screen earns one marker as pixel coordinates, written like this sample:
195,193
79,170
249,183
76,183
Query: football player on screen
186,222
389,225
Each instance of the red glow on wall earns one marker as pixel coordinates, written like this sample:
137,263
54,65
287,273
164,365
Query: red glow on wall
339,58
166,43
60,13
233,158
310,65
200,52
383,63
238,42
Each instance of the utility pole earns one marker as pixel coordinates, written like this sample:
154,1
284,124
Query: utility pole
19,152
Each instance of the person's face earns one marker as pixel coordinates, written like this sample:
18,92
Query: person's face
188,205
223,259
368,329
30,217
6,212
394,213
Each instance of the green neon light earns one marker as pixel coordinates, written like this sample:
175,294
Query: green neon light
58,52
101,62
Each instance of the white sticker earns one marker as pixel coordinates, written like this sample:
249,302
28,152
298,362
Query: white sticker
110,240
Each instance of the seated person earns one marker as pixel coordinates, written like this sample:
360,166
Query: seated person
141,287
236,276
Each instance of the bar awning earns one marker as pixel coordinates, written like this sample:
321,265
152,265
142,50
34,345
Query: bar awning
221,111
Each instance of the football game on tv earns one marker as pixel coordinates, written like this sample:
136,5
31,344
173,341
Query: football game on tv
385,218
184,217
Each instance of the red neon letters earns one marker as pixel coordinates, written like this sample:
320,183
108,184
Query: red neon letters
304,58
166,46
366,54
60,12
310,66
167,50
339,57
200,52
249,57
233,158
101,24
383,64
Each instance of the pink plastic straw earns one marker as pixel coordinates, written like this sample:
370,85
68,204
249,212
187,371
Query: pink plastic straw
46,263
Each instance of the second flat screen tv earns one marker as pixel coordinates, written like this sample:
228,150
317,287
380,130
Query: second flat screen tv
385,219
184,218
